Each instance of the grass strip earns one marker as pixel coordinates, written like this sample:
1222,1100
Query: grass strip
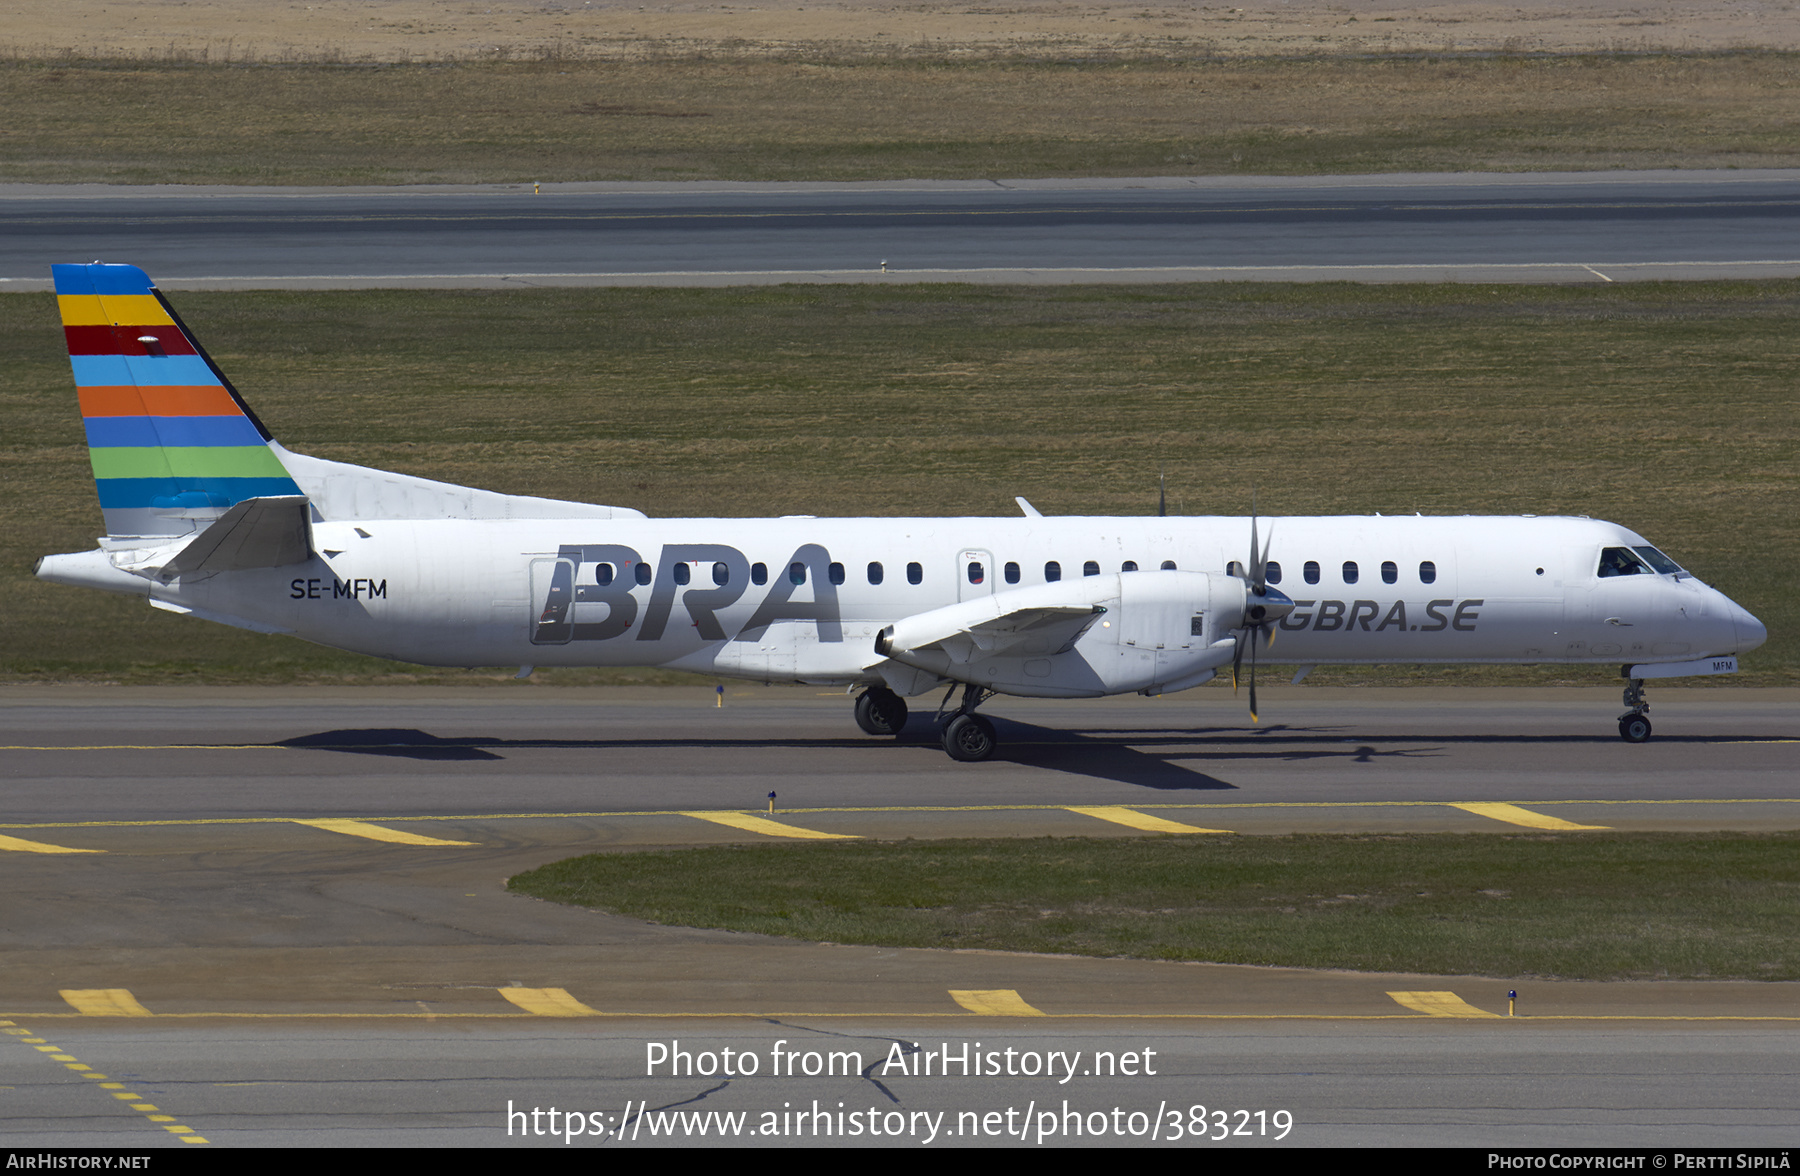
73,120
1667,407
1573,906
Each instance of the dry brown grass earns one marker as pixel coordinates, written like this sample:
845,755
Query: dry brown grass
248,31
850,120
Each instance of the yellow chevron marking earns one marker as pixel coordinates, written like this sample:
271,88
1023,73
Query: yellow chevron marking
1439,1004
750,824
1512,814
20,845
1119,815
104,1002
377,832
994,1002
548,1002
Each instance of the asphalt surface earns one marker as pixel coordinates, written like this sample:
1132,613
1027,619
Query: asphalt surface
1585,227
269,981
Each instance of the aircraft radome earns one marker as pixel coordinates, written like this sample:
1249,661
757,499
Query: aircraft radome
207,515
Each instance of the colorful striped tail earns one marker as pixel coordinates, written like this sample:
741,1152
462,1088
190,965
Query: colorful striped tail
172,443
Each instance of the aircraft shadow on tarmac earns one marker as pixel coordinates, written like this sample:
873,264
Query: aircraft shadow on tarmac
1163,759
1145,759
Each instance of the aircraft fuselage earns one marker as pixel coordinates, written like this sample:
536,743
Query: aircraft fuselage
811,594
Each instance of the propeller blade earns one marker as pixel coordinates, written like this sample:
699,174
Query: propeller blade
1253,717
1253,569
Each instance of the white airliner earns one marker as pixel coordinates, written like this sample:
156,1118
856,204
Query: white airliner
207,515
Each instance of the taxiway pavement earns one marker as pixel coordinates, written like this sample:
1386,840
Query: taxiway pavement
1577,227
282,914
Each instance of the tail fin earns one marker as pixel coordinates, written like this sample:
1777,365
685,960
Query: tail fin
172,443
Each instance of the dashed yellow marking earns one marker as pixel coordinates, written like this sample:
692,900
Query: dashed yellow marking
20,845
994,1002
1119,815
1439,1004
104,1002
1246,806
1512,814
753,824
116,998
548,1002
376,832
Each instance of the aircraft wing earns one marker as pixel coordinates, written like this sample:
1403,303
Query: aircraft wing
1040,621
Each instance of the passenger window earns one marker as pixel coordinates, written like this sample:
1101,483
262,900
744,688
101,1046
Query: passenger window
1311,571
1427,572
1168,565
683,573
1350,572
977,573
603,574
759,573
1012,573
644,573
914,573
874,573
1272,572
1390,572
721,574
1090,568
1129,565
1052,572
796,573
836,572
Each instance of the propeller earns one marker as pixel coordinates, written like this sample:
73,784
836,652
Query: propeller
1263,606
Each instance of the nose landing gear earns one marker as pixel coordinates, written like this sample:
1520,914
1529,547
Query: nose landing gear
1634,724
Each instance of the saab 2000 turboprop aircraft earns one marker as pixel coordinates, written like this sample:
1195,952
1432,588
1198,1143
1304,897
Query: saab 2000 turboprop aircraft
206,515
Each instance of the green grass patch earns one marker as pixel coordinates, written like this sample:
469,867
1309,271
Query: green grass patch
70,120
1666,407
1582,906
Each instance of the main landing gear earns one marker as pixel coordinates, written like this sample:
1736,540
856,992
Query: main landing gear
1634,724
966,736
879,711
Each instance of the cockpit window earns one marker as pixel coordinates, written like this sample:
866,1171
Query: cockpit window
1659,561
1620,561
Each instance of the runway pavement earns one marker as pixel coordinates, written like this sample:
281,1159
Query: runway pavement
1575,227
281,913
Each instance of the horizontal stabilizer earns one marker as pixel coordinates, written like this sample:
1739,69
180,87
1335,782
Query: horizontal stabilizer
255,533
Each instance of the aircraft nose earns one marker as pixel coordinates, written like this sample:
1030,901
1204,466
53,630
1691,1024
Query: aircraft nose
1750,631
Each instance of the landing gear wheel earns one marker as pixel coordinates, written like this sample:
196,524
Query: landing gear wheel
1634,728
879,711
969,738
